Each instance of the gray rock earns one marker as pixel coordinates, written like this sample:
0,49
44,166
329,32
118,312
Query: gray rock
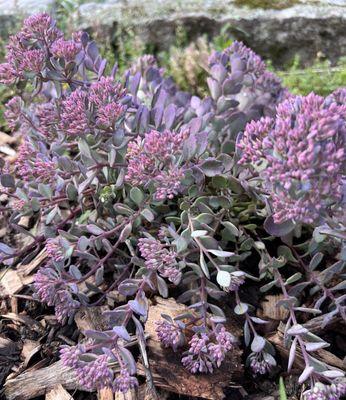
305,28
11,11
18,7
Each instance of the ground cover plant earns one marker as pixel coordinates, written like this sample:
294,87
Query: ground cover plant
135,186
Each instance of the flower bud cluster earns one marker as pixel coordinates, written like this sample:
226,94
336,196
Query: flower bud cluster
169,334
259,364
154,160
208,350
158,257
101,107
55,250
53,290
25,51
13,112
237,279
66,49
30,165
300,155
334,391
97,374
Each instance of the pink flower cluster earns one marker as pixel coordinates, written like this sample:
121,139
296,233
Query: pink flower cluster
31,165
158,257
40,27
25,51
206,350
101,105
70,355
124,381
48,118
18,204
204,354
154,159
51,289
300,155
97,374
55,250
13,112
259,365
66,49
335,391
106,96
74,114
237,279
169,334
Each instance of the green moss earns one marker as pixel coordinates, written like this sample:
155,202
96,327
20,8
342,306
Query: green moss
267,4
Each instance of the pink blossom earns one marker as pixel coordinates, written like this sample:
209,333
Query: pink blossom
152,160
66,49
74,118
300,155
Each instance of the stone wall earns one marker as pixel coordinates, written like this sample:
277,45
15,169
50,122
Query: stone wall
279,29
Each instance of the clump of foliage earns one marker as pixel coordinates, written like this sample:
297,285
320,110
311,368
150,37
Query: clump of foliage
139,187
187,64
321,77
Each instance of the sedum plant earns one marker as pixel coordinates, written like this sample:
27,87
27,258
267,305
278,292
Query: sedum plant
135,186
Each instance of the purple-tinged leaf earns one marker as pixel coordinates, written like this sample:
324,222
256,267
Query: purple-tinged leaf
218,72
88,357
96,335
259,321
139,327
275,229
92,50
315,261
102,68
230,87
211,167
314,346
125,233
221,253
162,286
95,230
84,39
214,88
5,249
138,307
128,359
128,287
99,276
170,115
158,115
297,330
241,308
7,181
292,354
333,374
121,331
305,374
83,243
135,81
75,272
258,344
